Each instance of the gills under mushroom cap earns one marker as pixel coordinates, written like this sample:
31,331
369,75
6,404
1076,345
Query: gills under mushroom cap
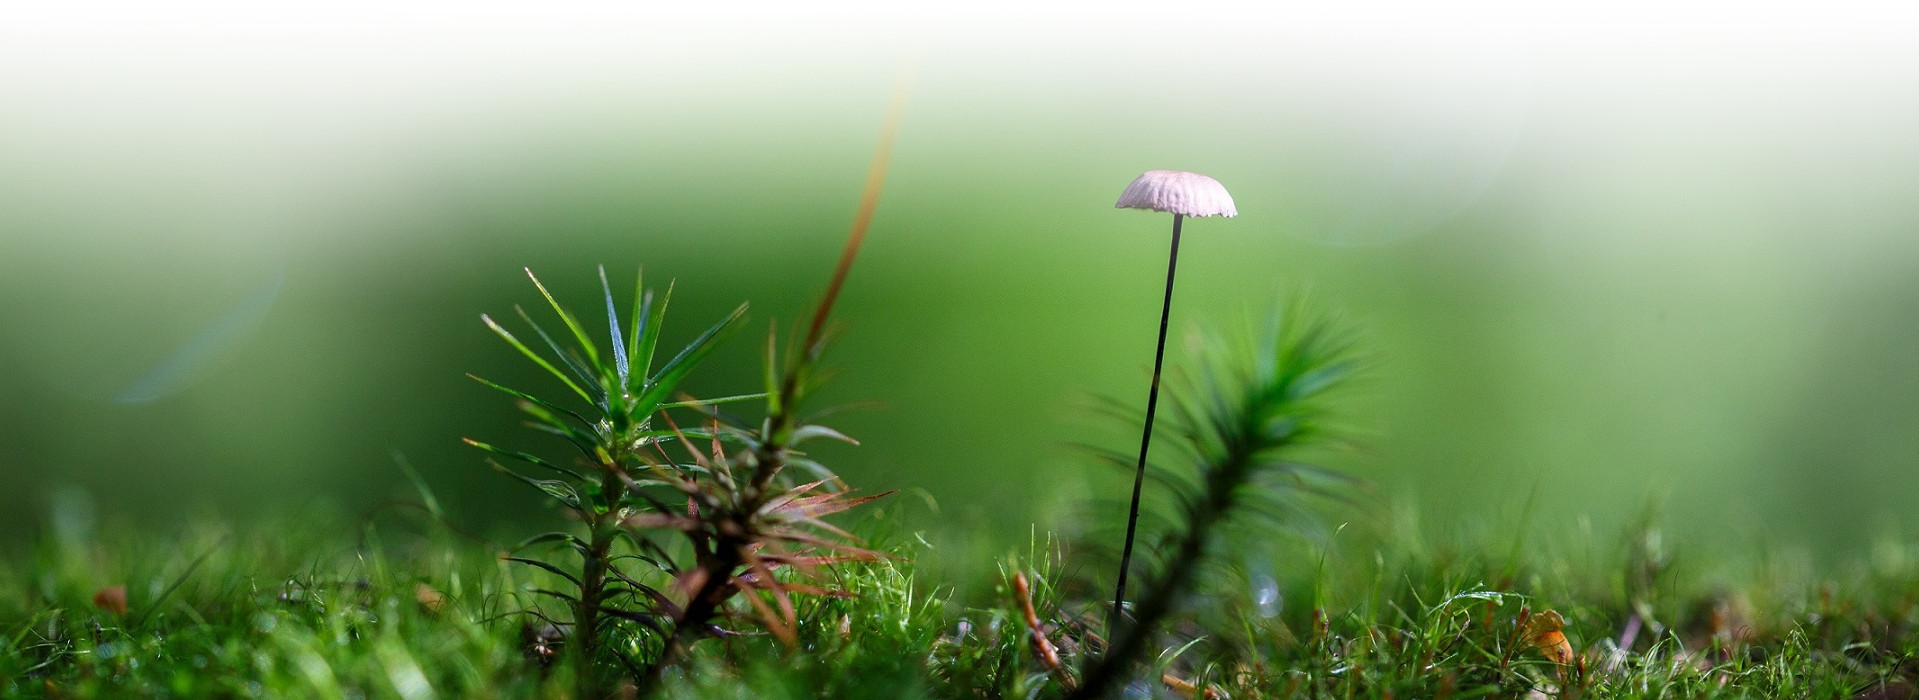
1177,192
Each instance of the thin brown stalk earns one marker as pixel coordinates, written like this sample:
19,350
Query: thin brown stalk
1187,689
1042,646
778,428
869,201
718,570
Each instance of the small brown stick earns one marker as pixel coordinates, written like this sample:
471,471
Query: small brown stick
1042,647
1186,689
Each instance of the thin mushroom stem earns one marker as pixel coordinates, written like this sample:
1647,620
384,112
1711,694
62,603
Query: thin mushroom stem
1146,436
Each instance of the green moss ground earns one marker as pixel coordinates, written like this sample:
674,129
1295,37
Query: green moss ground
328,607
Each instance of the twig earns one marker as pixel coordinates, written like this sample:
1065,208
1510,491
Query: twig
1187,689
1042,647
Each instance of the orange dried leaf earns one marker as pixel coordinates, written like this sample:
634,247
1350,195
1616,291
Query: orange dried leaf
112,599
433,601
1544,631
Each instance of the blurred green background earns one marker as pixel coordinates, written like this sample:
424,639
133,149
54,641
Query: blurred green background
245,255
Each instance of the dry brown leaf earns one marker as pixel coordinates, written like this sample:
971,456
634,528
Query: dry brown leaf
771,619
1544,631
112,599
432,600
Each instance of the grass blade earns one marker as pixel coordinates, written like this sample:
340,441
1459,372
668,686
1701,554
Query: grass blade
184,575
419,484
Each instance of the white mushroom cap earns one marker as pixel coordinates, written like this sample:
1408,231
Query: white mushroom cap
1177,192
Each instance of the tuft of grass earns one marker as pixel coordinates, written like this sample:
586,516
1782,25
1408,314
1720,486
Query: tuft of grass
281,610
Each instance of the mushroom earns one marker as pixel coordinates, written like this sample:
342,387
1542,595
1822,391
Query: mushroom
1181,194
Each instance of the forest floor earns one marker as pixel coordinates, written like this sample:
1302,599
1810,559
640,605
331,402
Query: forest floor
346,609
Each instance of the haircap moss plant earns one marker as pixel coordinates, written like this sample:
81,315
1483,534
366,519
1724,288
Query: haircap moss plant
1182,194
726,488
1241,424
740,512
615,434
